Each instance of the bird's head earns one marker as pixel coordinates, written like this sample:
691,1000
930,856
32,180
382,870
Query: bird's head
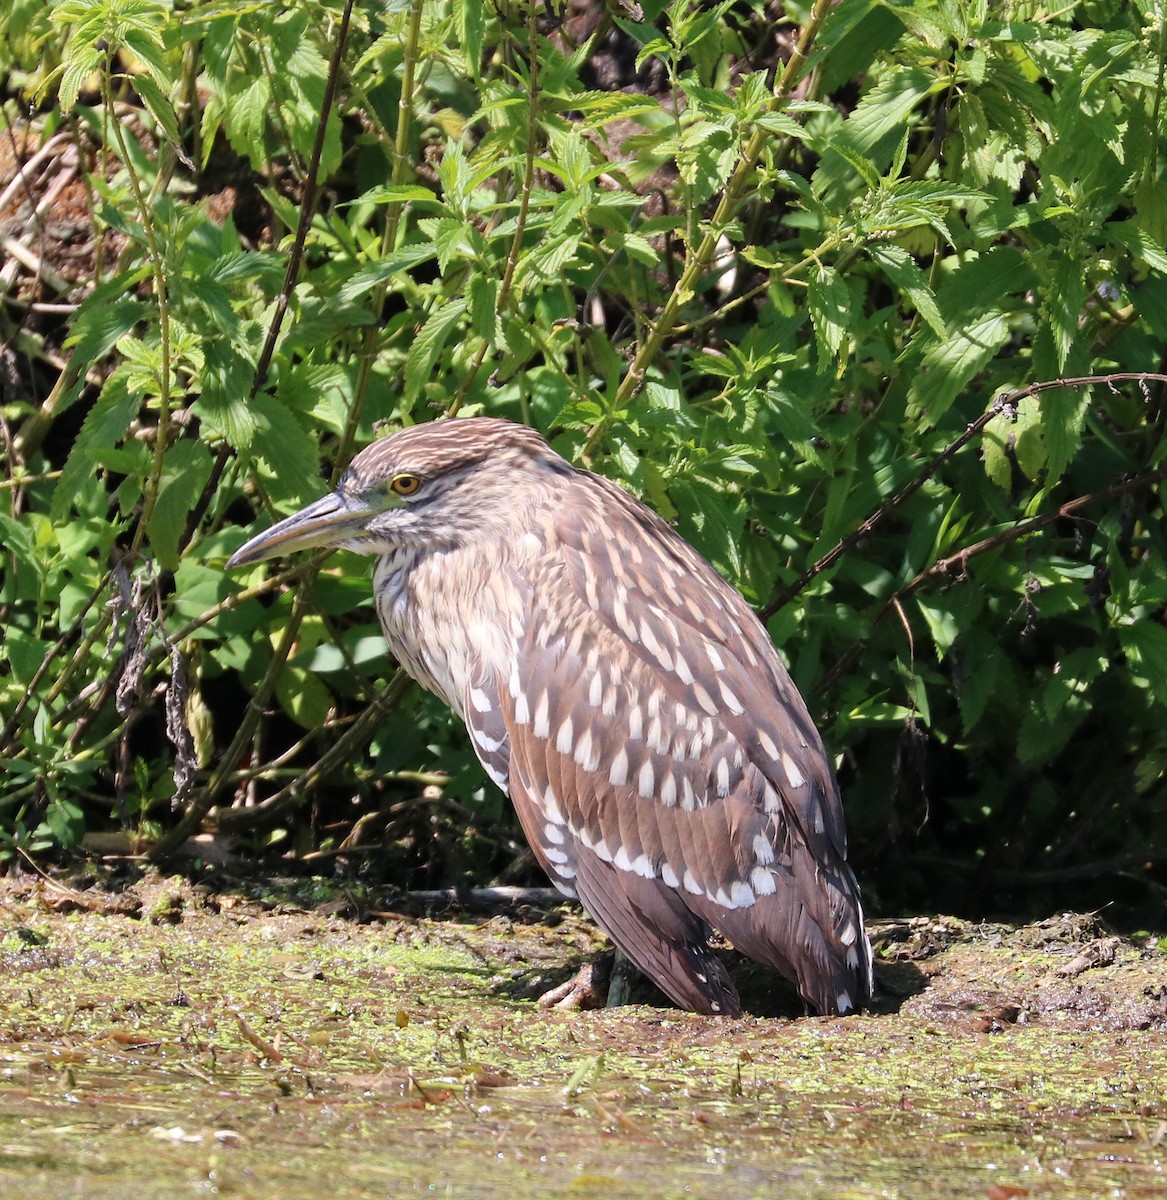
431,485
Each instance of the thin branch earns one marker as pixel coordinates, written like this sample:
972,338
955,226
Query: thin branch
1001,404
731,199
307,206
234,820
945,566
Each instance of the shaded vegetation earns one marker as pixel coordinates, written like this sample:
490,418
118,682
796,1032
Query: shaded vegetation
763,265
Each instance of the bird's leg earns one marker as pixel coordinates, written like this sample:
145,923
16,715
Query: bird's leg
624,973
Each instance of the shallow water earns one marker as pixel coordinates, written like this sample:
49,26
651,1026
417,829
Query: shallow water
284,1054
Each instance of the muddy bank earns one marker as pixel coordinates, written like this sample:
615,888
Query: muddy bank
298,1039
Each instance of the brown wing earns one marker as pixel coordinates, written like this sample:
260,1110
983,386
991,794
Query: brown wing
664,766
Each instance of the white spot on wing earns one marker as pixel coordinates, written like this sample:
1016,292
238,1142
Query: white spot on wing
542,726
576,643
622,860
480,700
771,801
704,699
553,834
742,895
767,744
669,876
635,722
618,771
489,744
565,736
668,789
715,659
596,690
763,850
731,701
556,856
763,881
656,737
620,612
551,808
688,797
643,866
723,776
691,884
586,753
792,772
646,781
522,711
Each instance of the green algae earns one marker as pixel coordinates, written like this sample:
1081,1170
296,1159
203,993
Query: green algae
261,1050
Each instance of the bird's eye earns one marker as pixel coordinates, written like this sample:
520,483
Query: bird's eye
405,485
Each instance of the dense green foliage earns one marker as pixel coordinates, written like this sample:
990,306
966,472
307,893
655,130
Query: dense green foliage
763,296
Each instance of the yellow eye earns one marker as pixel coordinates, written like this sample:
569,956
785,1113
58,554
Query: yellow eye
405,485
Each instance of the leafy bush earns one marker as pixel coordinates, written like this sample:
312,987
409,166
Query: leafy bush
789,275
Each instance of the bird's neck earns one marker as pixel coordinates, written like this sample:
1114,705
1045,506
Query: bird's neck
446,618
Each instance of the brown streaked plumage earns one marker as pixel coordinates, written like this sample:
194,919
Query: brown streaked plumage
663,766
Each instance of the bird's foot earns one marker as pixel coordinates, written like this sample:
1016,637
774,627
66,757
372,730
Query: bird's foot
587,988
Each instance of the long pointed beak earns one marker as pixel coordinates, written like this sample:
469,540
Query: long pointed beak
329,521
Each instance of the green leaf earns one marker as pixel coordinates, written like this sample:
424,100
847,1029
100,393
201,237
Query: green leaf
104,428
105,317
289,449
223,406
161,110
1064,296
1145,645
1063,414
66,821
829,301
186,467
427,345
483,293
949,365
395,193
899,266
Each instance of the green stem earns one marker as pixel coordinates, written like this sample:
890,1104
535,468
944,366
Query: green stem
146,217
516,246
400,171
698,263
198,807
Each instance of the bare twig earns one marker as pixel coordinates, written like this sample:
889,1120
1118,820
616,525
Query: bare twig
945,566
1002,404
307,206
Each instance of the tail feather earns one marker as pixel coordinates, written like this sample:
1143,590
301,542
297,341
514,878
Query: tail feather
810,929
659,934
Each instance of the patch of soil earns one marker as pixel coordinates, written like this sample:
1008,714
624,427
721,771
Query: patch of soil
1069,972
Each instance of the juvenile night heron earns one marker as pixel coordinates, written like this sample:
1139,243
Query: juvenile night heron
663,766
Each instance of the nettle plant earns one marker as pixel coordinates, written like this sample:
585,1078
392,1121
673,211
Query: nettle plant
804,278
